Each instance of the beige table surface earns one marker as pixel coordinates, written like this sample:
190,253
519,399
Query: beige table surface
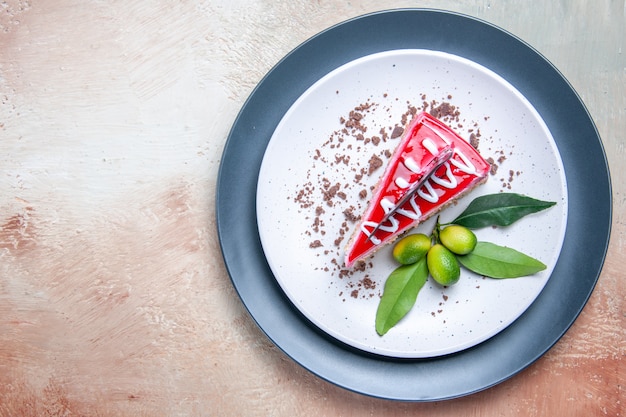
114,299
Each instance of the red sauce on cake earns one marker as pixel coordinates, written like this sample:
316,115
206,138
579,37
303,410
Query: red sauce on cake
423,139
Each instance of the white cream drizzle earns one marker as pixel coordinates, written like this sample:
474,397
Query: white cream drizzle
387,205
429,195
402,183
430,146
373,239
450,182
466,165
411,165
391,228
427,192
413,215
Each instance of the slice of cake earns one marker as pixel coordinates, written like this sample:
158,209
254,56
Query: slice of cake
423,140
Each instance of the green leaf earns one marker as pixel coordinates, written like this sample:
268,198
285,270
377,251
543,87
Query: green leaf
400,293
495,261
500,209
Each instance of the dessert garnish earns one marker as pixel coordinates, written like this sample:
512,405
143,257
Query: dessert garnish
453,245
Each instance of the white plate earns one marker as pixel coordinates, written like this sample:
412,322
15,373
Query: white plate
443,320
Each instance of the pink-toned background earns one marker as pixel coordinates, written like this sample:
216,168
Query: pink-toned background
114,300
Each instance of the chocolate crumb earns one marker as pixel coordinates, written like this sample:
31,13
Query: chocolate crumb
360,266
397,132
368,283
349,214
494,168
316,244
356,116
374,163
330,192
444,110
474,141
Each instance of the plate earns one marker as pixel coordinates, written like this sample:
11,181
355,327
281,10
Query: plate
315,147
509,351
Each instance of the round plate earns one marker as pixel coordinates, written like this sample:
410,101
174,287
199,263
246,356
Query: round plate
312,150
588,195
